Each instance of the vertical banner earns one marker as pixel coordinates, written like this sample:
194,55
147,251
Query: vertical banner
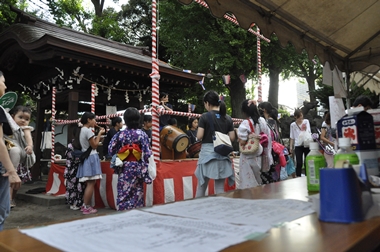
336,109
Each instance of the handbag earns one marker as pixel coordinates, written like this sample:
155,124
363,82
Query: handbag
264,140
152,167
85,154
222,142
252,144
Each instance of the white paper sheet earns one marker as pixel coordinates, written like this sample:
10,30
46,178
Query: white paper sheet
262,214
141,231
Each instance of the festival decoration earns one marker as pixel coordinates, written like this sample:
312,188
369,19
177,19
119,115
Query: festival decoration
53,93
259,89
93,88
243,78
126,97
226,79
201,82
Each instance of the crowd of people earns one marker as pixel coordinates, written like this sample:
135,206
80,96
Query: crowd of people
129,150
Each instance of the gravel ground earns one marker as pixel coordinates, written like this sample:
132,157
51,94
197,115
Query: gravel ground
27,214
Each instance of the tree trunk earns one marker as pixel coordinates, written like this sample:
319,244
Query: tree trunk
311,84
274,76
98,6
237,94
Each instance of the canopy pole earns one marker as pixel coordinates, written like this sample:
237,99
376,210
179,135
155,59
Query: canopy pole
348,102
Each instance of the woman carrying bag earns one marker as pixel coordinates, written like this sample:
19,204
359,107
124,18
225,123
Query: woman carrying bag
212,165
301,125
250,163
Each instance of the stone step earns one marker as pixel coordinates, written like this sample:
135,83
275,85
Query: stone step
39,198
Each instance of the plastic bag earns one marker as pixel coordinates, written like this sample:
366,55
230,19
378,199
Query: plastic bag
283,174
305,139
290,168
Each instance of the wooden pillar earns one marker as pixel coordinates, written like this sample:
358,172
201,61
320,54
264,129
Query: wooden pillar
72,113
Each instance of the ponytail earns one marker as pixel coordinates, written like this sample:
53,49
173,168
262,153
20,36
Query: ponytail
222,109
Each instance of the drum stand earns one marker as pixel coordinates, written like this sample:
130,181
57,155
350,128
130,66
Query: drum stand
171,154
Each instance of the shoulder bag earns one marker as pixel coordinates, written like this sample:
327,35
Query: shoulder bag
222,142
252,144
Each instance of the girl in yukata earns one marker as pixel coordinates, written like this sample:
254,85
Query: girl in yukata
74,188
132,147
20,146
251,166
90,170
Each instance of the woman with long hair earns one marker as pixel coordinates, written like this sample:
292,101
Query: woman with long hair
269,113
212,165
250,166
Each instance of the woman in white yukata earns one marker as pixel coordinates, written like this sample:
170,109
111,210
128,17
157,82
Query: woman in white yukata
251,166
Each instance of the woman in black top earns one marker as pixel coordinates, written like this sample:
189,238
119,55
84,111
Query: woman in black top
212,165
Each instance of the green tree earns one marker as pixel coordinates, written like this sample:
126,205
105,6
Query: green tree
197,41
101,22
6,15
137,22
70,13
309,69
277,60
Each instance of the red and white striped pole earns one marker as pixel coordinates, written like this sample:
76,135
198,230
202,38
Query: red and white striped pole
155,75
93,86
53,92
259,88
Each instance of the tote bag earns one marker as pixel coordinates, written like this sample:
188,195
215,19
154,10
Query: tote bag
252,144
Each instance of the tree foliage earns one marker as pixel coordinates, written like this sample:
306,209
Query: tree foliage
137,22
6,15
309,69
195,40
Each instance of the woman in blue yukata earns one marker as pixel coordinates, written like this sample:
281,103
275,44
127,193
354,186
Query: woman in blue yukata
132,147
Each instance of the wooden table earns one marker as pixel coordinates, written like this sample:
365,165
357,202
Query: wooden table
304,234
